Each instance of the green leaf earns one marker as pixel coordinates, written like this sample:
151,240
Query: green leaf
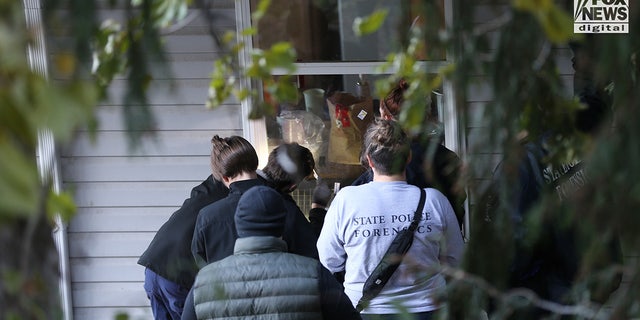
61,204
221,85
249,32
367,25
64,108
19,182
243,94
122,316
280,55
286,90
167,12
263,5
557,24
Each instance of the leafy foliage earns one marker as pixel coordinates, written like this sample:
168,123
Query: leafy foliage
259,67
367,25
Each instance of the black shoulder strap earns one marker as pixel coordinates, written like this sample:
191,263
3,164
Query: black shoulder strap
418,214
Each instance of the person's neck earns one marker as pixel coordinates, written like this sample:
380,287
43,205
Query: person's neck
242,176
388,178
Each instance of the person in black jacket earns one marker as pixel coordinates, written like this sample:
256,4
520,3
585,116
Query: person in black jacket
288,165
169,266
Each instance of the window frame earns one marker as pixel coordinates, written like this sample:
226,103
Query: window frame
255,130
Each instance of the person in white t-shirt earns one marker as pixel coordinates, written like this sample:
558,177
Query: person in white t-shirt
363,220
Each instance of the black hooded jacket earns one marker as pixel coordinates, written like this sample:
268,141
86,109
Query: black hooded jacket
215,233
169,253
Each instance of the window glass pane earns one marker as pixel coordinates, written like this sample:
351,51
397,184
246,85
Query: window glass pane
322,30
329,118
313,123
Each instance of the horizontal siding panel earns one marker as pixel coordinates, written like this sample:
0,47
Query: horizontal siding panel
177,117
224,17
108,244
144,219
129,194
192,66
191,43
106,270
96,313
166,92
164,143
115,294
163,92
90,169
182,66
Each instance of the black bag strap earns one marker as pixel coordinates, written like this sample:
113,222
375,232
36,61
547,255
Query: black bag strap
388,265
418,214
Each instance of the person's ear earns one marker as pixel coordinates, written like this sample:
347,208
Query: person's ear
369,161
226,181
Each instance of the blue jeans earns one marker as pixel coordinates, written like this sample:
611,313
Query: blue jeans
167,297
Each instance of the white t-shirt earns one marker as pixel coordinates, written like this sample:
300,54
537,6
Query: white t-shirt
361,223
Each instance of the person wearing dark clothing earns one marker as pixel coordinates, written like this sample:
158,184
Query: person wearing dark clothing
261,279
319,201
215,234
546,258
169,266
287,166
432,165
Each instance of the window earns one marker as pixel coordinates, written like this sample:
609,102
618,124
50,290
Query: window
333,70
322,30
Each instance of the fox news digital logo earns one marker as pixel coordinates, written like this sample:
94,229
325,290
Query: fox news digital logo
601,16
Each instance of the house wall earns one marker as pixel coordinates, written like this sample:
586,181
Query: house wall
123,197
